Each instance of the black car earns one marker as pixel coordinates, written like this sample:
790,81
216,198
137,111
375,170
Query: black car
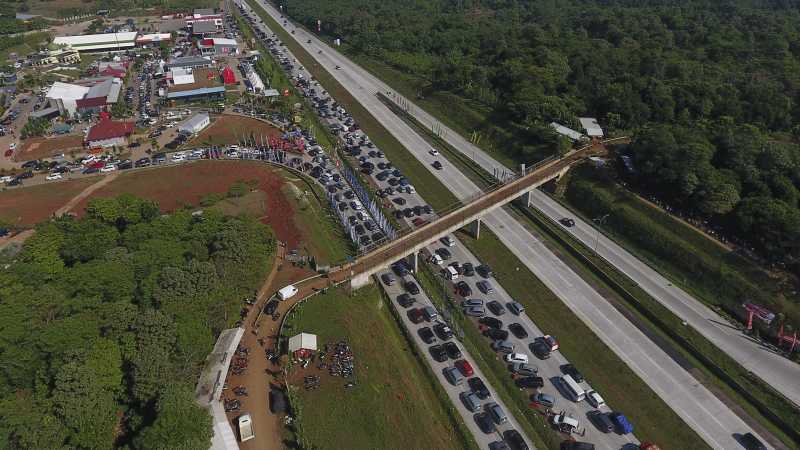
463,289
496,334
485,422
496,308
468,269
517,330
751,442
452,350
444,253
491,322
359,229
408,213
271,307
443,331
427,336
398,214
540,349
365,240
567,222
24,175
125,165
14,182
438,353
412,287
400,268
405,300
399,200
569,369
437,165
515,440
484,270
142,162
89,170
478,387
30,164
530,382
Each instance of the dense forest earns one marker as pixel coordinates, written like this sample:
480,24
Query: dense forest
708,89
106,321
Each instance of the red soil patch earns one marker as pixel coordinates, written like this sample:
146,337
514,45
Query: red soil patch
230,129
25,207
38,148
177,186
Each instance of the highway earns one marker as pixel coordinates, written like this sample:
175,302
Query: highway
700,409
780,373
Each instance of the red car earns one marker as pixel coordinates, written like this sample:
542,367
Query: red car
416,315
464,367
9,152
97,165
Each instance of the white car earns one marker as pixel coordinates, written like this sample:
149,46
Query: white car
434,152
6,179
517,358
448,241
53,176
436,259
179,157
12,146
108,168
595,399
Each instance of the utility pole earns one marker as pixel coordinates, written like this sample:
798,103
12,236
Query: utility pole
600,221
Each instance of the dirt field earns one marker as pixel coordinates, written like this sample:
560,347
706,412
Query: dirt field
174,187
37,148
228,129
28,206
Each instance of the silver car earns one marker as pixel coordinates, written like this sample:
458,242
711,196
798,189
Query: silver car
475,311
497,413
472,302
524,369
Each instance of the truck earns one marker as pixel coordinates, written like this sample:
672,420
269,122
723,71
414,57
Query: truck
246,428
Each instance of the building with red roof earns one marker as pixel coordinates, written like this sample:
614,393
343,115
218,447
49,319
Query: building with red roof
108,133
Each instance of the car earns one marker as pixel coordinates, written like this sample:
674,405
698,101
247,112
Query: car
471,302
530,382
430,313
271,307
471,401
416,315
503,347
567,222
491,322
496,308
485,287
515,440
517,330
453,352
551,342
444,253
142,162
438,353
515,307
622,424
464,367
540,349
475,311
448,241
750,442
479,388
484,270
468,269
485,422
498,415
399,200
463,289
388,278
443,331
495,334
433,152
437,165
546,400
405,300
593,397
601,421
517,358
411,287
53,176
436,259
89,170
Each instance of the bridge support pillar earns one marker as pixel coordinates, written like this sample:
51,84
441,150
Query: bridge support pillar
526,199
360,281
474,228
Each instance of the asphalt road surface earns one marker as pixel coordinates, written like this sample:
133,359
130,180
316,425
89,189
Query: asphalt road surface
697,406
780,373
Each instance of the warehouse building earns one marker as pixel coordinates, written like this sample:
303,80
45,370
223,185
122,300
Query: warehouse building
108,133
98,42
218,46
193,62
195,124
193,83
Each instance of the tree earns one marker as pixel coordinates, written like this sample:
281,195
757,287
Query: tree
181,423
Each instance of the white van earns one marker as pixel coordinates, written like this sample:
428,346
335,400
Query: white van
246,428
287,292
450,273
571,387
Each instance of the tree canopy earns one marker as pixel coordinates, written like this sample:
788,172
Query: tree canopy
105,323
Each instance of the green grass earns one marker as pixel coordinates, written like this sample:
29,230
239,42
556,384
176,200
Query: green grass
428,186
619,385
716,276
396,404
670,331
30,44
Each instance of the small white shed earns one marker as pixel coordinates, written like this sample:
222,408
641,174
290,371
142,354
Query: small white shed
302,344
591,126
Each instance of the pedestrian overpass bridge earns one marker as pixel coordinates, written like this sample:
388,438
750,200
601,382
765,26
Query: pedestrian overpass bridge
364,266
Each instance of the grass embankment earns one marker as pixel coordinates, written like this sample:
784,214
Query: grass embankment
710,272
395,403
428,186
608,374
22,45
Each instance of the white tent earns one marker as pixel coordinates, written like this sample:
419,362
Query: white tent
303,341
591,126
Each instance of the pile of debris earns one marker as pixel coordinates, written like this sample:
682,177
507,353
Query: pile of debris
239,363
340,360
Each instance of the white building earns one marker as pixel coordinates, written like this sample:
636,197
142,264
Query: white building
591,126
566,131
98,42
182,75
65,96
194,124
303,343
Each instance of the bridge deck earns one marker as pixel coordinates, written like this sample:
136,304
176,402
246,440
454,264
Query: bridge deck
399,248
